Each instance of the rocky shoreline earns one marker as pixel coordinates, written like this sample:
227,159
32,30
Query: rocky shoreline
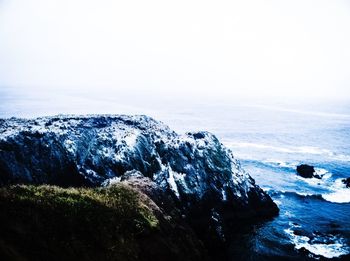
190,177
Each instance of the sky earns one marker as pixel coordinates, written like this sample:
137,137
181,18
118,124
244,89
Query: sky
223,49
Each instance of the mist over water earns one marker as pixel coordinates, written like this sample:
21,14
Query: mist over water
270,138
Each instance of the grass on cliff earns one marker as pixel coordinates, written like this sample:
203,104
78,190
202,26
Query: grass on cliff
44,222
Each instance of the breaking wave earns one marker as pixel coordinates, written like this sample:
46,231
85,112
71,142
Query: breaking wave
291,149
339,193
329,246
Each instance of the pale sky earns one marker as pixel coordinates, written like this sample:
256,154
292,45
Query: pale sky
220,48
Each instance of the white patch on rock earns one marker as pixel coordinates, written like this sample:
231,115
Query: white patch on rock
172,183
223,193
91,173
70,146
110,181
131,138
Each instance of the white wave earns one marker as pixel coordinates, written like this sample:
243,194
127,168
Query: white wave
324,181
295,225
306,112
266,189
321,172
281,163
304,194
289,214
277,202
339,184
291,149
339,194
334,249
311,181
337,191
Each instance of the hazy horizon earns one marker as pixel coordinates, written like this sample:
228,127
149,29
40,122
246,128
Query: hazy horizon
194,50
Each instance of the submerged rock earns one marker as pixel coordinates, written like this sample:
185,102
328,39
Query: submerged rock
201,176
307,171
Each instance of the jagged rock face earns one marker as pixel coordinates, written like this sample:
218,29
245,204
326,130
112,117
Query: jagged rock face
196,169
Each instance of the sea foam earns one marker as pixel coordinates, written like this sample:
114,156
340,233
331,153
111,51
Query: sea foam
308,150
339,194
328,246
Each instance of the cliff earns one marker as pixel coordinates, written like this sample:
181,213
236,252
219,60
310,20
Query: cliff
195,171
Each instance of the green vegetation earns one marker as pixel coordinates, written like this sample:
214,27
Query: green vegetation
86,223
119,203
114,223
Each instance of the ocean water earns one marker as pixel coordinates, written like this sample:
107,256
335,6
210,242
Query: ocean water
270,140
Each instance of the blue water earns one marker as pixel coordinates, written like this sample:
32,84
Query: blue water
270,141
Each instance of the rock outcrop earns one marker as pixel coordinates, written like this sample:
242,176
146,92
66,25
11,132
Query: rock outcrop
346,182
201,176
307,171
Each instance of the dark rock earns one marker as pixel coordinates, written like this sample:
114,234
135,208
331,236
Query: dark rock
334,225
198,173
307,171
304,233
198,135
346,182
304,251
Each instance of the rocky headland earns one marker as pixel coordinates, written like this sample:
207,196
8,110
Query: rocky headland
194,190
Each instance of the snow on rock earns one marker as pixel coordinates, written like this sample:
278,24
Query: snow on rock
200,173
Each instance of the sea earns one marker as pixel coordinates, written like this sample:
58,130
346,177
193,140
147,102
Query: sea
269,138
